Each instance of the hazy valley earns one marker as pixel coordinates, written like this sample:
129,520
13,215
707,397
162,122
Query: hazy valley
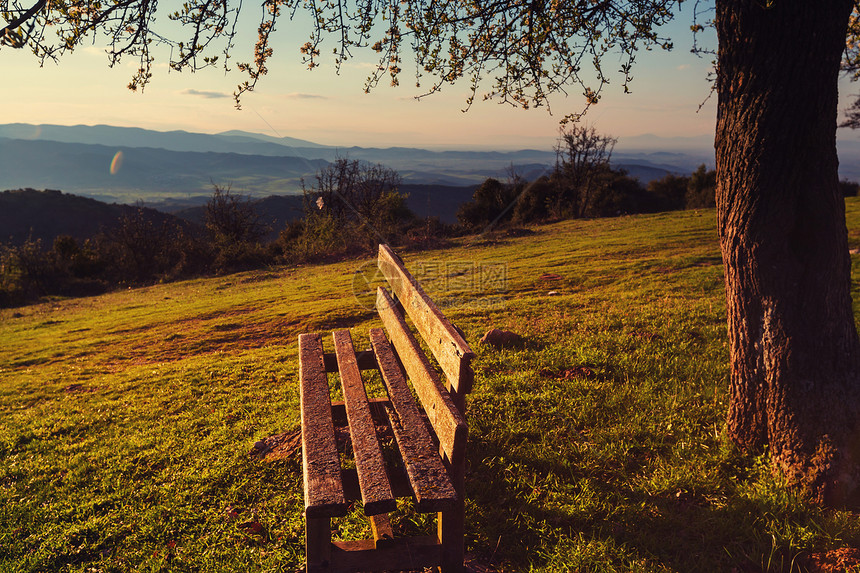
180,168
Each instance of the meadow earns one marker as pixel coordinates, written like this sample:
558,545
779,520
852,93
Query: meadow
128,420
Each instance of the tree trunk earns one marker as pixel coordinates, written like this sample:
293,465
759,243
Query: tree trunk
795,355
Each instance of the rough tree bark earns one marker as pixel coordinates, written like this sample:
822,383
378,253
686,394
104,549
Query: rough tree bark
795,354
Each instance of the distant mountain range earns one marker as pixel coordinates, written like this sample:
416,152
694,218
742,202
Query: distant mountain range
174,170
168,165
144,173
126,165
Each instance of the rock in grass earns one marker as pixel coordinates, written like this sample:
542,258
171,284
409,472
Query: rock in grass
498,338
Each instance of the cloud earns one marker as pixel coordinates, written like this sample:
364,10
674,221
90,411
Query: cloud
304,96
93,50
205,94
362,65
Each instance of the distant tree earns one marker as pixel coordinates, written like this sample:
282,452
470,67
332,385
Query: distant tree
355,205
492,203
71,260
141,248
232,219
616,193
849,188
79,269
670,191
352,190
26,271
235,229
582,158
428,233
66,247
534,201
701,189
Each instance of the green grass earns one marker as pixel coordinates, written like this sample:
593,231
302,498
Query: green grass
126,420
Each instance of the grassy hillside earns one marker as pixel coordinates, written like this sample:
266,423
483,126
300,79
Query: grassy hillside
126,420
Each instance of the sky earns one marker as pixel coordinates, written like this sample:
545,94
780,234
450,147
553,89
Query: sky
670,98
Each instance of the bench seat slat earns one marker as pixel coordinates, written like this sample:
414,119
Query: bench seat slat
447,421
320,461
430,483
372,478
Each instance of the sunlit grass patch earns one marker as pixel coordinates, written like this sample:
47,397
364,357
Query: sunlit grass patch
127,420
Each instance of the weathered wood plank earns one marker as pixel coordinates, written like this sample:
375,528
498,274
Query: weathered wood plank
431,486
407,553
372,478
447,345
320,461
447,421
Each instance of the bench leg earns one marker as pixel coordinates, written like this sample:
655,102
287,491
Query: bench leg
450,529
317,544
451,525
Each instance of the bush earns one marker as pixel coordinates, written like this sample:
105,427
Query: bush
428,233
701,189
235,231
615,193
669,192
533,203
317,237
492,203
849,188
352,207
26,272
141,249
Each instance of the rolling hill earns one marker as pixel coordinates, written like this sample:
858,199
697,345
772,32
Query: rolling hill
43,215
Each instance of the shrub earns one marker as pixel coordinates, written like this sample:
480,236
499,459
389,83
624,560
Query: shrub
235,231
141,249
352,207
27,272
615,193
533,203
669,192
849,188
701,189
492,203
318,237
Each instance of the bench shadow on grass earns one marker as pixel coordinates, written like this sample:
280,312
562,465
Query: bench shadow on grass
590,522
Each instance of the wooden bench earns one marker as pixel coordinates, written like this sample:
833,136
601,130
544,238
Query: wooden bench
430,434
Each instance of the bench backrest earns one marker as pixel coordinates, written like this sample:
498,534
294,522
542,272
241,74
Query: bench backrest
443,405
448,346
